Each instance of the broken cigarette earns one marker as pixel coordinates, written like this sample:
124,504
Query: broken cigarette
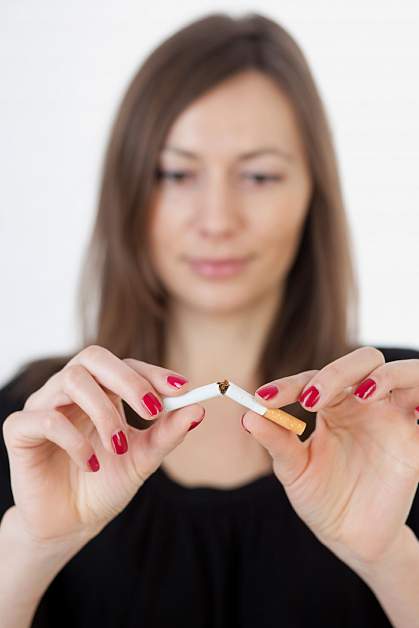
241,396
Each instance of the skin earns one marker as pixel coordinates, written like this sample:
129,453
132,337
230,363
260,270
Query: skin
362,461
220,209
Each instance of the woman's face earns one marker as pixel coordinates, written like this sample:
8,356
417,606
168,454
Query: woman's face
234,184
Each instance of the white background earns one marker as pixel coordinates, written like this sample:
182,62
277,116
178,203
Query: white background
64,68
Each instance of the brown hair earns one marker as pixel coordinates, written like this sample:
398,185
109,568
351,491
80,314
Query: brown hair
121,301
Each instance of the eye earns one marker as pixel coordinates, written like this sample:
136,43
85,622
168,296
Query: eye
261,179
177,176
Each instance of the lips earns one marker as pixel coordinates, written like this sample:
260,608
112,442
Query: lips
224,260
218,268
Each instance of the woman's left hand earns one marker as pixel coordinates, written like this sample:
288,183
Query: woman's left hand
354,479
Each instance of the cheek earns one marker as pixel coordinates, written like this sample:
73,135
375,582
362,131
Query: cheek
283,227
280,234
165,233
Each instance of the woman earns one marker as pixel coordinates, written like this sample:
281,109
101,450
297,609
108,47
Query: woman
221,150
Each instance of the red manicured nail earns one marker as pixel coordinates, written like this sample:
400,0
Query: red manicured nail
93,463
243,423
195,423
268,391
120,443
417,409
152,404
365,388
309,397
176,381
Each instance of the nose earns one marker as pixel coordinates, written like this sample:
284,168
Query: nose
219,214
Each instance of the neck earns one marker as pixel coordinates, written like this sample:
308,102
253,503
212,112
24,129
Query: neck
207,347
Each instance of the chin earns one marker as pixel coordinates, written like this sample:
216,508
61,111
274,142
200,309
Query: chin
216,300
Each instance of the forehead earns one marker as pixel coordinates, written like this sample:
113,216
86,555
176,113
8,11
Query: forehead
239,114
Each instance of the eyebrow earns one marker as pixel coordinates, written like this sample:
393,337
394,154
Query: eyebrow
268,150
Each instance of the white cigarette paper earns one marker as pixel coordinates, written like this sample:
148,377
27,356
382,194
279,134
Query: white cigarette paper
228,389
192,396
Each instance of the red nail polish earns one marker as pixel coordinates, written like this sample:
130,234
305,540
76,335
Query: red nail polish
268,391
176,381
244,424
152,403
93,463
195,423
365,389
120,443
417,409
309,397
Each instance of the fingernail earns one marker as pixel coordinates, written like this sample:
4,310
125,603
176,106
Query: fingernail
365,389
309,397
268,391
120,443
195,423
176,381
152,404
93,463
417,409
243,423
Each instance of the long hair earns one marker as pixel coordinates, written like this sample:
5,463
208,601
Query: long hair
121,302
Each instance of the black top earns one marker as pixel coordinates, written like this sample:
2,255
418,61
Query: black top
205,557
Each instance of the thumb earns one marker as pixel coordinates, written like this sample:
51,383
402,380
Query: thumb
290,456
151,445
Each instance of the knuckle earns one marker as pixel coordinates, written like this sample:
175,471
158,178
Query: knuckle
49,421
332,371
94,352
383,377
73,375
308,374
8,423
375,353
29,400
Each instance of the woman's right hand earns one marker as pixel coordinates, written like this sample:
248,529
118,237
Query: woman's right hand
73,416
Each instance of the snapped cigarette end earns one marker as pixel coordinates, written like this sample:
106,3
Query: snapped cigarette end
223,386
286,420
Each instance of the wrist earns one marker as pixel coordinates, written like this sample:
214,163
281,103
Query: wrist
14,529
27,567
401,556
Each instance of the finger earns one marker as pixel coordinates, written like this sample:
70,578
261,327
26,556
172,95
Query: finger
287,389
405,399
25,430
290,456
83,390
334,381
393,376
149,447
164,380
111,373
